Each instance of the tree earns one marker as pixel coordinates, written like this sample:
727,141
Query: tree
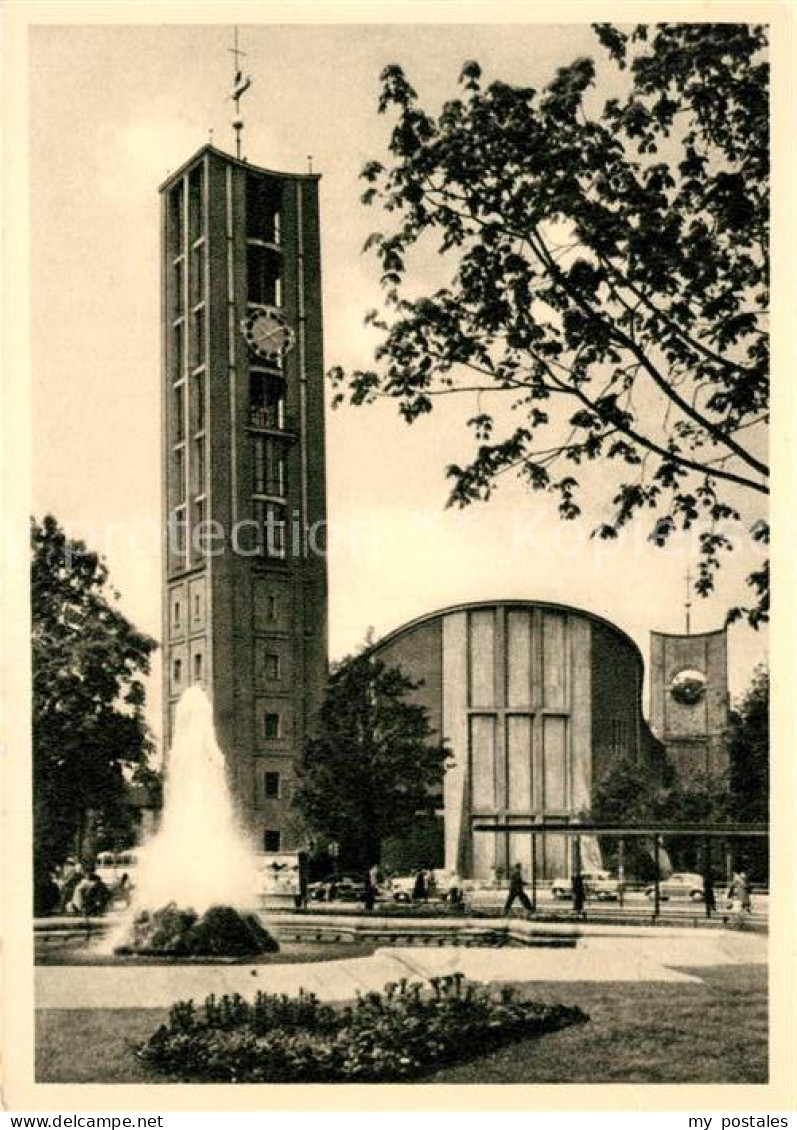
89,730
748,751
628,794
608,287
374,766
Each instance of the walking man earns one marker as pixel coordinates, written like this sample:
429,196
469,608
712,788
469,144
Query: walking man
517,891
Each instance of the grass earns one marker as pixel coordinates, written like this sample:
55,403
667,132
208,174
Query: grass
715,1032
712,1032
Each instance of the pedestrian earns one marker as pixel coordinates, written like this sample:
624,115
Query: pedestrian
745,893
517,891
71,874
369,893
91,895
709,898
420,891
579,894
124,890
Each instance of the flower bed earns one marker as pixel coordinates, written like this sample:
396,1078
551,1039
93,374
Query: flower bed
220,932
394,1035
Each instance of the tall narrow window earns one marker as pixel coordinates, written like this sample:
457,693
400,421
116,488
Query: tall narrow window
198,465
271,840
178,350
263,198
199,536
177,536
195,205
178,290
198,667
196,277
269,466
271,518
264,275
178,477
176,217
198,401
177,672
267,401
271,726
198,337
179,413
271,785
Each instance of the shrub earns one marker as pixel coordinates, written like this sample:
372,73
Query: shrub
220,931
394,1035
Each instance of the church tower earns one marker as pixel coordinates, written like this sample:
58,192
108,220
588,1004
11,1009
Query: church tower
689,699
245,584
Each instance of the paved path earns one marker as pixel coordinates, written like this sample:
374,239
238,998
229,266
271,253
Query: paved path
648,956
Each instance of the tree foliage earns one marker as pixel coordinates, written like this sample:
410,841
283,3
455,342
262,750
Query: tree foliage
748,752
374,765
629,794
608,288
88,700
748,748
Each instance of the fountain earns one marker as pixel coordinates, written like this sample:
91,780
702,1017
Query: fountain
197,880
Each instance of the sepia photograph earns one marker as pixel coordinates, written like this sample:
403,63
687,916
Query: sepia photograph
399,552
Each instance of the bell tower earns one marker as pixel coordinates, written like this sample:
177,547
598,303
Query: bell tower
244,505
689,699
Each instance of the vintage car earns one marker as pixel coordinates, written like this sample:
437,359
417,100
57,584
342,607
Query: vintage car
598,885
680,885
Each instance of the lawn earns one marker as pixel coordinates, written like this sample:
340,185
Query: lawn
713,1032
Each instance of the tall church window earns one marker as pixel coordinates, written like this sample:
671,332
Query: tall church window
196,219
179,412
264,275
271,518
263,198
176,232
198,337
271,726
269,466
178,347
267,401
198,401
196,279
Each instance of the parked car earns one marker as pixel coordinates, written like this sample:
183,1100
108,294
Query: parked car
347,888
598,885
681,884
401,888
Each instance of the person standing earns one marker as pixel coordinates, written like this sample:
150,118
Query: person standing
517,890
709,898
369,893
745,893
579,894
420,891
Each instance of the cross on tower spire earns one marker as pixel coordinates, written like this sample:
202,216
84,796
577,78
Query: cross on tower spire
240,86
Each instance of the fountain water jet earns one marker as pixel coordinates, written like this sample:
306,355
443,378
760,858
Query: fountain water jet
198,859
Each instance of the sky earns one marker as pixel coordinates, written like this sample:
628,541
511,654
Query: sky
112,111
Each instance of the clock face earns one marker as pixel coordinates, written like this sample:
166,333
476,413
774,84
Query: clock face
268,333
688,687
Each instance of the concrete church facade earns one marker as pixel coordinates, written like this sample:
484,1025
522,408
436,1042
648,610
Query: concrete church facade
536,701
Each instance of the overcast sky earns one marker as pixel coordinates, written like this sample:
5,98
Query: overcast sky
113,110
